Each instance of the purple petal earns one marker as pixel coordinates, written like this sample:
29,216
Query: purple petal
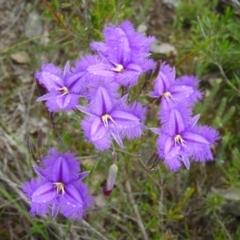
195,138
60,167
72,197
185,87
198,141
171,150
101,69
129,119
66,69
209,133
159,85
80,176
98,46
85,110
29,188
55,210
61,171
181,92
194,121
156,130
124,119
101,144
128,78
126,34
118,42
101,88
63,101
186,161
98,130
168,73
154,94
103,101
75,206
52,95
175,118
173,163
39,171
175,123
134,67
44,194
75,82
117,138
164,80
51,81
167,149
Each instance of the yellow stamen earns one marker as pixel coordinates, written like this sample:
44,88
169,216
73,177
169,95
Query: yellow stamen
167,95
178,139
64,90
105,119
60,187
118,68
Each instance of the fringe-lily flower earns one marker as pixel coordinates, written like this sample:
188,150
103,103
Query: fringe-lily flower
59,187
110,118
64,88
172,91
122,57
183,142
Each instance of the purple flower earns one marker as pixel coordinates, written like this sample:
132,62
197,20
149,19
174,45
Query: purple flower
179,114
92,66
172,91
110,118
122,57
64,88
59,187
184,141
125,36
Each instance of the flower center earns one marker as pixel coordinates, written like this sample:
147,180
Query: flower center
105,119
118,68
178,139
167,95
64,90
59,187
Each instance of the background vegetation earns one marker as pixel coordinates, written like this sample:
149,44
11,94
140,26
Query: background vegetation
147,203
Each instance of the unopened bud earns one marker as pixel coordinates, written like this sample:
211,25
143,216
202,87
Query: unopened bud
39,138
152,162
31,147
151,76
41,88
108,187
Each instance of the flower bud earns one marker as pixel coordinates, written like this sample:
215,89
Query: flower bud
108,187
31,147
152,162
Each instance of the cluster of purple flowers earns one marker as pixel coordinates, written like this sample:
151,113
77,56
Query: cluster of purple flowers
118,63
180,138
58,187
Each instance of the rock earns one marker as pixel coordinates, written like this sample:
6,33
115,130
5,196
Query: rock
163,48
232,193
142,28
100,201
171,3
20,57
